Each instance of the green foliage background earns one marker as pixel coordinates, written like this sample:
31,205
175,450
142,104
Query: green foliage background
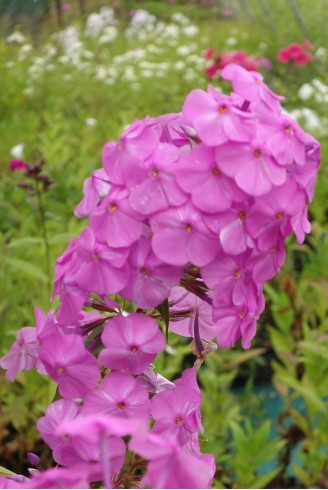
269,434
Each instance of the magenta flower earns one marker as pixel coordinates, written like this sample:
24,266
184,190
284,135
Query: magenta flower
154,382
183,302
150,280
68,363
200,175
252,166
58,478
100,269
119,395
135,145
114,222
287,143
168,466
23,354
131,342
216,117
18,165
270,214
181,236
158,189
94,188
265,265
57,412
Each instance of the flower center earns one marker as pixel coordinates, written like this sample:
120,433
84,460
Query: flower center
112,207
237,273
60,370
242,215
289,130
93,461
216,171
155,172
178,420
95,257
188,227
257,153
121,405
273,250
279,215
241,314
133,348
144,271
223,109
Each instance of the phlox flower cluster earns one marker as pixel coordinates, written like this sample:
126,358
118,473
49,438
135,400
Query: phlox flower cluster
187,219
298,54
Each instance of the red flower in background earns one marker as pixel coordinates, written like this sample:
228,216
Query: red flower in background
296,53
18,165
250,63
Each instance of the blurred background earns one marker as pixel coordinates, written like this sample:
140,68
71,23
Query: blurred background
73,75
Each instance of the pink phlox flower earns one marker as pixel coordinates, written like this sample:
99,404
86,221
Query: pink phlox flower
169,127
209,53
188,302
66,360
181,236
94,188
250,86
237,321
119,395
92,459
228,276
230,226
57,412
58,478
252,166
200,175
16,481
295,53
135,145
114,222
18,165
271,214
154,382
265,264
169,466
99,268
23,354
158,189
131,343
287,145
216,118
306,176
150,281
177,412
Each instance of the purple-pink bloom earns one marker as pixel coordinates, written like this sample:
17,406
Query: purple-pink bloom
119,395
23,354
66,360
131,343
181,236
94,188
57,478
150,280
216,117
18,165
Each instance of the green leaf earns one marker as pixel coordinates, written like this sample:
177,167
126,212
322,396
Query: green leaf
27,268
4,472
163,310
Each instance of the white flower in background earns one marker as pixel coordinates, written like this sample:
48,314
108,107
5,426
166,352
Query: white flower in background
108,15
109,35
101,72
50,51
135,86
67,77
140,19
183,50
190,31
305,91
190,75
29,91
263,46
24,51
308,118
146,73
87,54
151,48
170,31
91,122
94,26
69,38
179,65
16,37
231,41
129,75
179,18
18,151
10,64
322,88
320,53
50,67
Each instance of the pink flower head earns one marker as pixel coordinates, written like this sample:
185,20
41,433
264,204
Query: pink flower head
136,144
119,395
131,343
150,280
295,53
181,236
216,117
158,189
114,222
18,165
68,363
57,412
192,305
168,466
94,188
209,54
154,382
100,269
200,175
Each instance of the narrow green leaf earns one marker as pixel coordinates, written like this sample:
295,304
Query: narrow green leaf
163,310
27,268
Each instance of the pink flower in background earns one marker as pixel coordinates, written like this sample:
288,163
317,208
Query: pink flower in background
18,165
296,54
131,343
66,6
240,58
